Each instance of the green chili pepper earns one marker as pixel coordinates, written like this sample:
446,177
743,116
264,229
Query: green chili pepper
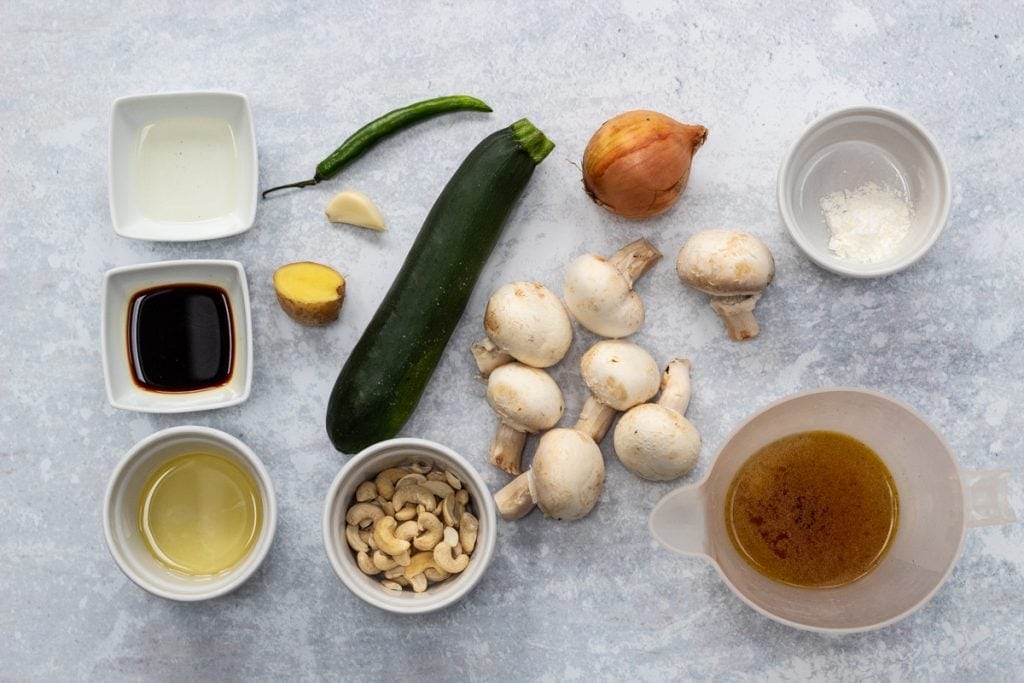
378,129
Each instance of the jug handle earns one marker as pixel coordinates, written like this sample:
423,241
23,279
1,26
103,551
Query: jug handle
679,521
985,498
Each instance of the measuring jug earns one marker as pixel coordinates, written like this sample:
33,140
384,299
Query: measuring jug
937,503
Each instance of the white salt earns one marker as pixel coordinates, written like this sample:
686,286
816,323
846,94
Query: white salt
866,224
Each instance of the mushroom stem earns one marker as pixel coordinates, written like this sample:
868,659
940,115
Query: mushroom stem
635,259
738,314
515,501
675,386
507,448
595,419
488,357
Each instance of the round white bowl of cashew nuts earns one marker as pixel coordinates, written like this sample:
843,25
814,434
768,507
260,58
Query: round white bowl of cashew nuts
346,527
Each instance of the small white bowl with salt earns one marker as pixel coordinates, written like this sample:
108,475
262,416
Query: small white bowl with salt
864,191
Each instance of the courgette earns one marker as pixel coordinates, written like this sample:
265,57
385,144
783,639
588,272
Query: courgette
385,374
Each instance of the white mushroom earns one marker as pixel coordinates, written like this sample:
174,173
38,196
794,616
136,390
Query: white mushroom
653,440
599,291
528,401
734,268
564,482
619,375
524,321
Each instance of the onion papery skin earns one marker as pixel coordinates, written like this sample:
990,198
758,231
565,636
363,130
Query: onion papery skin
638,164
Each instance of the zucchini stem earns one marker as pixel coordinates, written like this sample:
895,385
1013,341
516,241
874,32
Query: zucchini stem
304,183
532,140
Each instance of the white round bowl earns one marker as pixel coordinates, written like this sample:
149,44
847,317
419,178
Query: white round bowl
121,505
844,150
366,465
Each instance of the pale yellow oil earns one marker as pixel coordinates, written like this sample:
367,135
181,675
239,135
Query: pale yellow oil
200,514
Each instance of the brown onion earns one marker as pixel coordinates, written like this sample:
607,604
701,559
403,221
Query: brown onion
637,164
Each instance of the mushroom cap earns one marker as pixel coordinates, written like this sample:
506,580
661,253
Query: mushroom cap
527,320
620,374
656,443
725,263
567,474
601,299
526,398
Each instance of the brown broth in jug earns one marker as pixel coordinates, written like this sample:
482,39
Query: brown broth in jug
815,509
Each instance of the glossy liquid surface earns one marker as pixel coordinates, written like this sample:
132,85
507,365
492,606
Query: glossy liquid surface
180,337
186,169
815,509
200,514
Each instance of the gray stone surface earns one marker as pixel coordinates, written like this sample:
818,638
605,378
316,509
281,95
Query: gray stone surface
593,599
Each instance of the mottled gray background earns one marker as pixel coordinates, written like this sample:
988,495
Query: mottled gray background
594,599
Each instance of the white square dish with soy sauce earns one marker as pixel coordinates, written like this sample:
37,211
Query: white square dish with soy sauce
183,166
176,336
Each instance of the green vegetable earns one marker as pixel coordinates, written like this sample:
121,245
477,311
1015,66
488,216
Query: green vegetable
375,131
382,380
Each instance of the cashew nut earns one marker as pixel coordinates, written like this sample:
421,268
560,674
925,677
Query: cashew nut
434,574
469,528
421,467
382,561
440,489
418,583
408,530
448,511
363,514
366,492
420,563
365,565
411,478
385,481
432,532
384,534
445,561
354,540
406,513
415,494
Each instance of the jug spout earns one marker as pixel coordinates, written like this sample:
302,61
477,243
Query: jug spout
986,497
679,521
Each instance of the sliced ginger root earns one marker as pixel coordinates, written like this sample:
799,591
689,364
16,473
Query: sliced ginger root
310,293
354,208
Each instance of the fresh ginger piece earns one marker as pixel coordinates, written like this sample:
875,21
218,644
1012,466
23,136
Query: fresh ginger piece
355,208
310,293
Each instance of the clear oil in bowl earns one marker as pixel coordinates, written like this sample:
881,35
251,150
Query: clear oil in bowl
186,169
200,514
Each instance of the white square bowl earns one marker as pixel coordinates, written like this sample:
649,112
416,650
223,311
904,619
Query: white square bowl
120,285
234,213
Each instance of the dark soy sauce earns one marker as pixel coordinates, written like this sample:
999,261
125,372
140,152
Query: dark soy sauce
180,337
